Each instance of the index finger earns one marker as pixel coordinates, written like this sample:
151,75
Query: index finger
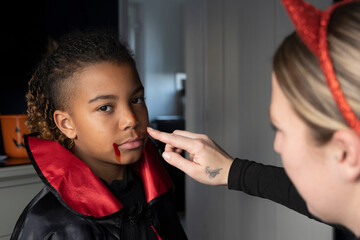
174,140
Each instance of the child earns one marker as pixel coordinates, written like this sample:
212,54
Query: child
102,175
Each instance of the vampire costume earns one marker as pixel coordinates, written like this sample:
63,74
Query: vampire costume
76,204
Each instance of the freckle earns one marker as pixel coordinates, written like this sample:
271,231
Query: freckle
117,152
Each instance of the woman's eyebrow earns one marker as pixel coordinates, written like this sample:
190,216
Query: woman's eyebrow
102,97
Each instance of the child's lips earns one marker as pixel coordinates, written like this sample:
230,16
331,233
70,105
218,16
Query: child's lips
132,144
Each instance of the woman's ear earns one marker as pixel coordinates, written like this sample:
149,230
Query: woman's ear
65,123
347,153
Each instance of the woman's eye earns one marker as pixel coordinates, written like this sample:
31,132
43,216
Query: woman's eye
105,108
138,100
274,128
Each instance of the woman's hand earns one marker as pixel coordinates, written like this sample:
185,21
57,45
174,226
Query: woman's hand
207,162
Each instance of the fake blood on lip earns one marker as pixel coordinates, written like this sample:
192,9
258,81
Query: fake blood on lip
117,152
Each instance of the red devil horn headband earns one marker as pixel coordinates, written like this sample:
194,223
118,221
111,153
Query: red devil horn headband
311,25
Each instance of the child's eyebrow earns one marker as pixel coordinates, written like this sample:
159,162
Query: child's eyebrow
139,89
111,97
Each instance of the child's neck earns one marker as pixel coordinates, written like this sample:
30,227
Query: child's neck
117,172
105,170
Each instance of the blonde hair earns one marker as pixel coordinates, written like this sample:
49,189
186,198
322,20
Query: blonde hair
299,75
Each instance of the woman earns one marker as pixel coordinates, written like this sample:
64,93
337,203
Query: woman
315,108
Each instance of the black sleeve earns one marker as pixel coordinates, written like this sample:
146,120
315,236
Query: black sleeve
267,182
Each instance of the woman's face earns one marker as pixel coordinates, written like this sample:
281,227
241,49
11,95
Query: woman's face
309,166
109,115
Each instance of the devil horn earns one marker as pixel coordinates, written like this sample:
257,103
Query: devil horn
306,20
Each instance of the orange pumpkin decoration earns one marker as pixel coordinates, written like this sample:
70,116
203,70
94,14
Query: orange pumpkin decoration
13,130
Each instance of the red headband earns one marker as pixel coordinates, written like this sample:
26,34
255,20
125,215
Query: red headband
311,25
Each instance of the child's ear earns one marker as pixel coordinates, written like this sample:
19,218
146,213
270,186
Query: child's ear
65,123
347,153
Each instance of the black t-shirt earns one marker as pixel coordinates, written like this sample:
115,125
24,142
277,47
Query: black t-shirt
130,193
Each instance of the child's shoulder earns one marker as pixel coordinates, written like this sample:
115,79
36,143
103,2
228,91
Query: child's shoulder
46,218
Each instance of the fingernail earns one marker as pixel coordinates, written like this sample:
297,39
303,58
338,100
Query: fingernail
150,129
166,155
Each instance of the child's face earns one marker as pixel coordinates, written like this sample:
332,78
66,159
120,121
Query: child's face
109,115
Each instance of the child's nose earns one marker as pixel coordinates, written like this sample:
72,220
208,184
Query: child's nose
128,120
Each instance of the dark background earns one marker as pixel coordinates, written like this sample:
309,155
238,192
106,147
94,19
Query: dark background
26,27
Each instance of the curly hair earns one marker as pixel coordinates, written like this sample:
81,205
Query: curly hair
53,84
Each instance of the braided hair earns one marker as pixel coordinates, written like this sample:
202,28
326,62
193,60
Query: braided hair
53,84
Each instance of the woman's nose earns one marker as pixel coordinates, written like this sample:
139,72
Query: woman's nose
277,143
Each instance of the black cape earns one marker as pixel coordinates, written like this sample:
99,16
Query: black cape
76,204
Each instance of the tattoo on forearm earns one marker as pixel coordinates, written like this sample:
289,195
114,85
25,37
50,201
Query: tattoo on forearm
212,173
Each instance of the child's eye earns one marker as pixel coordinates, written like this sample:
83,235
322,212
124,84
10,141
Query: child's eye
105,108
138,100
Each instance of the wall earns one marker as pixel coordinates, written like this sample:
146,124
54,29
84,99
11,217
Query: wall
18,185
228,50
160,54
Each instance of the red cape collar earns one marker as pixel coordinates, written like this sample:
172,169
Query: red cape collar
74,183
